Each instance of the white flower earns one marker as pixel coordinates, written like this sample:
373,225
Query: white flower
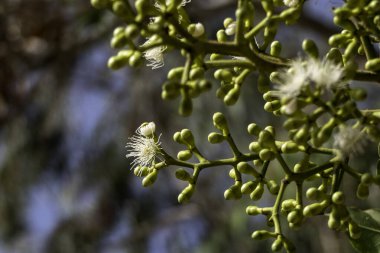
325,73
231,29
199,30
322,74
154,55
293,79
143,147
291,3
147,129
349,141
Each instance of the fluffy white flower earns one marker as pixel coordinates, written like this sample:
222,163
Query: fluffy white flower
293,79
143,147
154,55
291,3
349,141
322,74
325,73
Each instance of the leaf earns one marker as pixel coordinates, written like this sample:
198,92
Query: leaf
369,223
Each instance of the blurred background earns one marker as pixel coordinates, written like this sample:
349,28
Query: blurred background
65,184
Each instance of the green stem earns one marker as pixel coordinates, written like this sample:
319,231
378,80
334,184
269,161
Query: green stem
230,64
285,166
276,207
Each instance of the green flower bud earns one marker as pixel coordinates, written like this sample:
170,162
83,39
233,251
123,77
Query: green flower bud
182,174
272,106
254,129
121,9
184,155
257,162
232,174
150,178
255,147
187,137
262,234
289,147
215,138
312,209
273,187
227,22
244,168
266,139
131,31
310,48
277,244
362,191
275,48
248,187
338,198
204,85
366,179
252,210
258,192
333,223
196,73
186,194
354,230
294,123
232,96
100,4
177,138
220,121
344,23
275,77
288,205
223,75
302,136
141,171
295,217
117,62
266,155
175,73
312,193
233,192
119,41
221,36
186,106
135,59
335,56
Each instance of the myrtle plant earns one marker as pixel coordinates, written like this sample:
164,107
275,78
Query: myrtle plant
313,94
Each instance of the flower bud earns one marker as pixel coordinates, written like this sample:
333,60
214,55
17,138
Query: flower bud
150,178
366,179
310,48
277,244
214,138
275,48
182,174
338,198
184,155
262,234
295,217
273,187
266,155
248,187
233,192
258,192
254,129
255,147
99,4
186,194
220,121
252,210
354,230
289,147
312,209
288,205
187,137
362,191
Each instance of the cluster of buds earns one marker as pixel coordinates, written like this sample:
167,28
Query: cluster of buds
313,94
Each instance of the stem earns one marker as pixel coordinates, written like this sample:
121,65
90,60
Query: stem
286,168
230,64
276,207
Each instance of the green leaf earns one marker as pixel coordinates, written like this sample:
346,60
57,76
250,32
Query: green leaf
369,223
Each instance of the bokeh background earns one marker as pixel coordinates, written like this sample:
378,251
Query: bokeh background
65,184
